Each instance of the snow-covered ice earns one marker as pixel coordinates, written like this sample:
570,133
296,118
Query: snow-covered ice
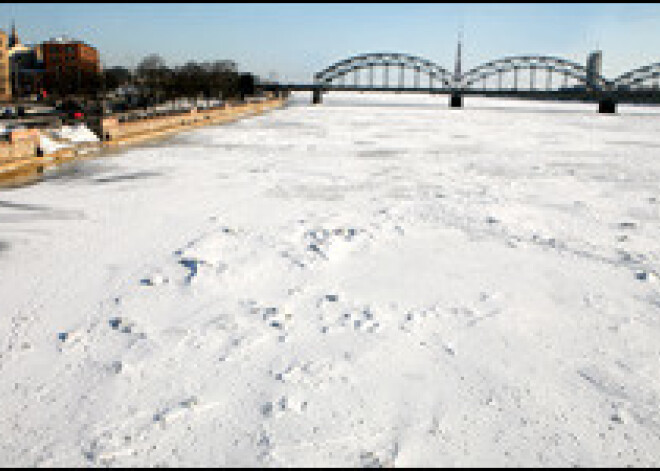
376,281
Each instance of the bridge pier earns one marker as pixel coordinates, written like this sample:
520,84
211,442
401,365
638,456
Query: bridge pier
317,97
456,100
607,105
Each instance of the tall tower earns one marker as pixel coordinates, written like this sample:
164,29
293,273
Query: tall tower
13,39
457,65
456,99
594,68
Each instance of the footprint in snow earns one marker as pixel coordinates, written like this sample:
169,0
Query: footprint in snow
154,280
125,326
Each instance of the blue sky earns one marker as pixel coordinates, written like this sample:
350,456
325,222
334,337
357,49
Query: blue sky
296,40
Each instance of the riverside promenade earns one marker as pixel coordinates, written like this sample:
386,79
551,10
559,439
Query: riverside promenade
26,154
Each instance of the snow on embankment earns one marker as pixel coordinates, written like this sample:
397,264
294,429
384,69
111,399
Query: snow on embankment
50,146
76,134
66,137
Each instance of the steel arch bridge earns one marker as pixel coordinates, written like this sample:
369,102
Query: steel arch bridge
638,77
585,85
532,63
385,60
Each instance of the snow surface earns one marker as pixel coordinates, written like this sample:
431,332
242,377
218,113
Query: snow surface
65,137
373,281
76,134
49,145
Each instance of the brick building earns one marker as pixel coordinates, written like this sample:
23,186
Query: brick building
5,83
70,66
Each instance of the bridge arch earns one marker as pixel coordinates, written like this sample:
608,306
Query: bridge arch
638,76
553,65
384,59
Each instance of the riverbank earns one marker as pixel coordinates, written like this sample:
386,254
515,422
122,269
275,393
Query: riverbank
28,155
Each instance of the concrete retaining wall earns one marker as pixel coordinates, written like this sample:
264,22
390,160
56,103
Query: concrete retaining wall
114,131
19,155
22,144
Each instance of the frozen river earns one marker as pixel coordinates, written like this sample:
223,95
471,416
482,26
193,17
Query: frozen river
376,281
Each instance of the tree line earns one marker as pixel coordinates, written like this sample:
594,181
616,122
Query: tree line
152,77
152,80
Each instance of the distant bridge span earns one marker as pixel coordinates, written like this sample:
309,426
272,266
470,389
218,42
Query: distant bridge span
524,76
387,60
554,66
638,76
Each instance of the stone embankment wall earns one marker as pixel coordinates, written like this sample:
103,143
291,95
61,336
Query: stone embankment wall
22,152
114,132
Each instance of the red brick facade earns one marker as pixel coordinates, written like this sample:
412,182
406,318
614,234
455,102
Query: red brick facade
71,62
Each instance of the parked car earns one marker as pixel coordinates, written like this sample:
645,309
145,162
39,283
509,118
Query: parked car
72,112
8,113
119,107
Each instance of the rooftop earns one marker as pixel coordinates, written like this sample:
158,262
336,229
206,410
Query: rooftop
66,40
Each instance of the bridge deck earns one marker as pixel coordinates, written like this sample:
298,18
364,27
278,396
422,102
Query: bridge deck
651,96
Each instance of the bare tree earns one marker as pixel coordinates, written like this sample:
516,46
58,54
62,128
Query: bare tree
153,76
116,77
218,78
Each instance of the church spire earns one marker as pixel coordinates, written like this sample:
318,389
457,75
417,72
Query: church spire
13,39
458,66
